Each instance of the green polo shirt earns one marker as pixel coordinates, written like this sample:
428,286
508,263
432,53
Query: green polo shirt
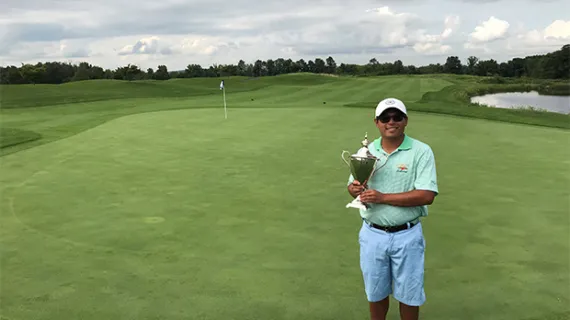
411,166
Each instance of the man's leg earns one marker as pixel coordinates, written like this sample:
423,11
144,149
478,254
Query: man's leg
379,310
409,312
375,266
408,271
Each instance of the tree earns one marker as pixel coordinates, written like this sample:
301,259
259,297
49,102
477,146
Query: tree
241,68
398,67
129,72
472,64
487,68
257,68
555,65
270,67
11,75
319,66
33,73
518,67
348,68
302,66
505,70
280,66
81,74
431,68
288,66
161,73
331,65
311,67
194,71
452,65
412,69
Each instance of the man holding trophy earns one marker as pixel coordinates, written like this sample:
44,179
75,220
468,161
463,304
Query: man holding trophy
393,180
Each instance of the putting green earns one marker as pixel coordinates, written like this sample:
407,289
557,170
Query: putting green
182,214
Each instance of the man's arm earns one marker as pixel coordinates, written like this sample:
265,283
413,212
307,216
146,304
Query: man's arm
405,199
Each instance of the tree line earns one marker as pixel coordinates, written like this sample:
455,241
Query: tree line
553,65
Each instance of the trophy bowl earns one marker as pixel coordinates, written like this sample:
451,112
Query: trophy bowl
362,165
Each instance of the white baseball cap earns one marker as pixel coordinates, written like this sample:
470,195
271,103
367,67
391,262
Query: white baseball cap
390,103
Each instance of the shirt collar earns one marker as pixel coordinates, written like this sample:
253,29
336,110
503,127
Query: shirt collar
405,145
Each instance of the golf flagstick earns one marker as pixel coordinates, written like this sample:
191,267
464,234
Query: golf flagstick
222,87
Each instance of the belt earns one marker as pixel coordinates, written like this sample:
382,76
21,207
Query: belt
391,229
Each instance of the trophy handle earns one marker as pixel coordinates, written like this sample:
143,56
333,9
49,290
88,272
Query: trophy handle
343,158
380,162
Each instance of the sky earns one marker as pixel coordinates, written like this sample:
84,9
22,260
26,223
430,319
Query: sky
114,33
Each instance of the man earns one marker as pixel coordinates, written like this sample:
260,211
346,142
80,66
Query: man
391,238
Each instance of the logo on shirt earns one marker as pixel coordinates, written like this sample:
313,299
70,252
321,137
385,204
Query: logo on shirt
402,168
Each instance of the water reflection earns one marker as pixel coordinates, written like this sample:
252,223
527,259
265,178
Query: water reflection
560,104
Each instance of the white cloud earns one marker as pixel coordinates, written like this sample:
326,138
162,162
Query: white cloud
387,12
398,32
451,23
432,48
143,46
535,41
558,30
488,31
204,46
432,44
557,33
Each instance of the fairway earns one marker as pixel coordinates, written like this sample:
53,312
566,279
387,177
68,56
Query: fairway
158,208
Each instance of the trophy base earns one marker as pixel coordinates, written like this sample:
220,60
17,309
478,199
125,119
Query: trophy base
356,203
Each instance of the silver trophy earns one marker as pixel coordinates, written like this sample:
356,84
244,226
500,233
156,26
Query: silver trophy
362,165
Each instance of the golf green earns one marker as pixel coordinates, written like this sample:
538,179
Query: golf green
182,214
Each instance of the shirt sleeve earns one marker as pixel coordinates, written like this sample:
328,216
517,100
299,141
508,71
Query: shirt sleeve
426,176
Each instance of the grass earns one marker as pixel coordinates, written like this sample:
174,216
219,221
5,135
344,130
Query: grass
123,212
11,137
74,107
17,96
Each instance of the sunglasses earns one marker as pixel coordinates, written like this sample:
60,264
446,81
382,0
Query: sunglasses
386,119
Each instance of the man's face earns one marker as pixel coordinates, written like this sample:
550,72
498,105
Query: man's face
391,123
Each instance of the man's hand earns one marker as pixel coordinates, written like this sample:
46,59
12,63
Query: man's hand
371,196
355,188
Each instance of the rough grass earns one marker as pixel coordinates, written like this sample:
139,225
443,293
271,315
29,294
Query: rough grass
455,100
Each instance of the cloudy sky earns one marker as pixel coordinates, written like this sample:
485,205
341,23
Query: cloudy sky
112,33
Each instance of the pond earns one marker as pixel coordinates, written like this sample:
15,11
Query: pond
560,104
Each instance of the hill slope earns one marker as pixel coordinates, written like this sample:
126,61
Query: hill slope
56,111
36,114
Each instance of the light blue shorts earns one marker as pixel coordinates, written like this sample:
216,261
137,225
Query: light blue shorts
393,263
